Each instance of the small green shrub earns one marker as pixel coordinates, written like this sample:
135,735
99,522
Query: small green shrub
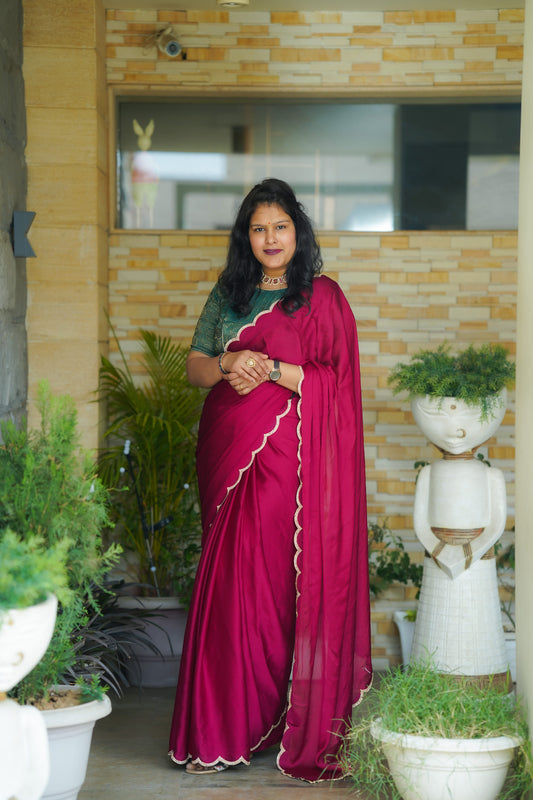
475,375
90,689
49,492
29,572
388,560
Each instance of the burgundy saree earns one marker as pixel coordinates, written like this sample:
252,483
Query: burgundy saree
284,571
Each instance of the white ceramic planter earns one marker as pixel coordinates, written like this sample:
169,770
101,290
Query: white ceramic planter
70,732
426,768
24,760
459,514
25,634
406,629
166,631
510,649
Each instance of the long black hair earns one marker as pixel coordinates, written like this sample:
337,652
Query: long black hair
242,273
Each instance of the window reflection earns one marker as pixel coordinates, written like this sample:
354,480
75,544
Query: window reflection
356,166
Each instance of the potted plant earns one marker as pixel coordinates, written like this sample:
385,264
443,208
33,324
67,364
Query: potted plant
29,577
433,736
49,490
458,401
389,563
475,375
150,462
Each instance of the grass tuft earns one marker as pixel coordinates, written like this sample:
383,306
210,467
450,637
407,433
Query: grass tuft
423,702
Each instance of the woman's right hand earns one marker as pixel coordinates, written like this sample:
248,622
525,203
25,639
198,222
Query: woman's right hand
247,365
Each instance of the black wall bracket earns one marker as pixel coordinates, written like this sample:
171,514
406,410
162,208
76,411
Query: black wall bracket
22,221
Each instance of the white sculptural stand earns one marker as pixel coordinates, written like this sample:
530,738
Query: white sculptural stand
459,514
24,762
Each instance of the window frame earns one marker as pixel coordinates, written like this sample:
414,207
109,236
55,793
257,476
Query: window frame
468,95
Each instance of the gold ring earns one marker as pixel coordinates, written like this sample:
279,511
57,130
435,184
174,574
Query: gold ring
251,362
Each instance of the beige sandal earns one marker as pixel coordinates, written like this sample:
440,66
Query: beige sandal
199,769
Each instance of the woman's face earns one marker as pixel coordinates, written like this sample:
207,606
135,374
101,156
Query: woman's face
272,238
453,425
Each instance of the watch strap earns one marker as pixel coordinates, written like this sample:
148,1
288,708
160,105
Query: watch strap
275,373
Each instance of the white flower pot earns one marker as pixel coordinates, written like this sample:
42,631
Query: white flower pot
70,732
24,760
510,649
166,630
25,634
406,629
432,768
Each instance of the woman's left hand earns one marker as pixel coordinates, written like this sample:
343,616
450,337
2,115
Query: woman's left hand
244,385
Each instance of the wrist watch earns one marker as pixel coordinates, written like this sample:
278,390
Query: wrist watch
275,374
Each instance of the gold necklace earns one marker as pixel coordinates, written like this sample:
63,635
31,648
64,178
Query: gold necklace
273,281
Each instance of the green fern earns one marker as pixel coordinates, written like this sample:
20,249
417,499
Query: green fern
473,375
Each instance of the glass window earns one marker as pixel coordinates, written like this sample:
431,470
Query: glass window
356,166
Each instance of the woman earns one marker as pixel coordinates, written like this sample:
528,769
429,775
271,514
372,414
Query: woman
283,577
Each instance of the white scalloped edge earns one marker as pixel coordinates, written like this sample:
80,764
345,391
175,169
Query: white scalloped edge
298,550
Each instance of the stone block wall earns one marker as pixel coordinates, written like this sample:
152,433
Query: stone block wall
64,72
13,349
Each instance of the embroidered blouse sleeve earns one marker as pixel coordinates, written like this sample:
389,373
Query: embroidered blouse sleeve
207,335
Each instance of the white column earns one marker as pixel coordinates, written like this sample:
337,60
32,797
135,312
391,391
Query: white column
524,385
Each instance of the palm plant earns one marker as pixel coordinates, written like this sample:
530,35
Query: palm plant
152,432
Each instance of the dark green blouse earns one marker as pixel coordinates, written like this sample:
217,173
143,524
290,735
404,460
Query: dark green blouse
218,323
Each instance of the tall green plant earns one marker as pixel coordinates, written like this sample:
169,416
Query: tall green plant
158,414
49,494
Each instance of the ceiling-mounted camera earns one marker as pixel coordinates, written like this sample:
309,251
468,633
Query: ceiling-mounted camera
167,43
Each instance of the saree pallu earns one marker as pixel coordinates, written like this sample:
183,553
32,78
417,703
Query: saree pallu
283,577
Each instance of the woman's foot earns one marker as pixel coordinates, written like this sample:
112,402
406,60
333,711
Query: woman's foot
200,769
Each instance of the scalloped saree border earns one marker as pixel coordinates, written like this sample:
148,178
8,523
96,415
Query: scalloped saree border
298,549
229,489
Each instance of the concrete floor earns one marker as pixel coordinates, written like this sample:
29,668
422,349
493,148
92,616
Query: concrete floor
128,762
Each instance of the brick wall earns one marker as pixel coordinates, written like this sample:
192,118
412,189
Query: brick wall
407,289
367,50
